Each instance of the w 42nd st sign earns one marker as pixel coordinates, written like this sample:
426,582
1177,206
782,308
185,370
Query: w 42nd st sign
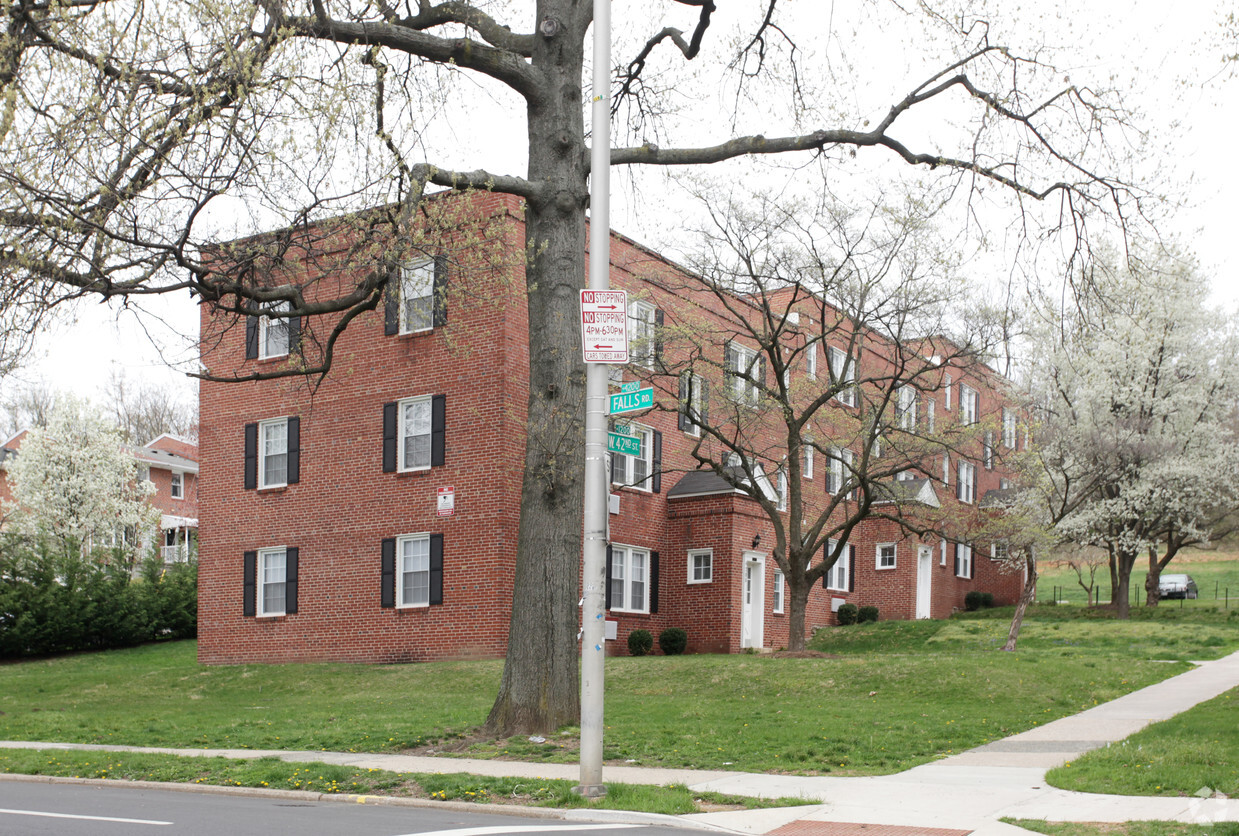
604,326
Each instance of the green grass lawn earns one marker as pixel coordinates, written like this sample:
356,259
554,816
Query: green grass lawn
891,695
1130,828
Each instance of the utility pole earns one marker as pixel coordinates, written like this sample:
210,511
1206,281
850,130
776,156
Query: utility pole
593,626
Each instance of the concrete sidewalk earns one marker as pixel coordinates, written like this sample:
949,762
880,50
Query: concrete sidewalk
966,793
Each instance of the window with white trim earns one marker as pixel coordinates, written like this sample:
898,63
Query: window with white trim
966,490
178,486
635,471
942,560
839,469
417,296
930,423
946,392
630,569
777,597
946,468
780,489
987,450
273,453
838,575
809,452
641,334
907,406
999,551
969,405
1004,484
886,556
273,331
963,560
272,581
811,361
414,424
413,570
843,372
692,403
1008,428
743,373
700,566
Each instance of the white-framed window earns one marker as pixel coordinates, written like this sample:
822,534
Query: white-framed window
417,296
273,453
810,361
273,331
692,403
178,486
413,570
413,421
1004,483
969,405
886,556
641,333
777,598
701,565
987,450
942,560
838,576
999,551
946,468
809,453
743,373
635,471
630,568
963,560
1008,428
839,469
780,489
946,392
966,490
930,423
908,401
843,370
144,473
272,581
905,475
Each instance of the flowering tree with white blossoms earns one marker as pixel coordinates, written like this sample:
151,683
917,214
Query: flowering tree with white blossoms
74,481
1135,391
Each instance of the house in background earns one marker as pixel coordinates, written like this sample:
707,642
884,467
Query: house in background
373,517
171,464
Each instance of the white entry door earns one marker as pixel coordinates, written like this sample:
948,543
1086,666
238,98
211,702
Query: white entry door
924,576
752,600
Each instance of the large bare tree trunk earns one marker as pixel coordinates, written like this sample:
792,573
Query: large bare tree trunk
539,691
1026,597
1125,561
798,599
1152,582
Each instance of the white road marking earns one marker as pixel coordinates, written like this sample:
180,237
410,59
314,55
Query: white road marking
528,828
47,815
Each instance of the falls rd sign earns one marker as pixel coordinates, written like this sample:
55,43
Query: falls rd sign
604,326
631,401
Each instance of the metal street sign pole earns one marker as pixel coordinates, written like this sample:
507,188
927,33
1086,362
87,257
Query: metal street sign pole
593,655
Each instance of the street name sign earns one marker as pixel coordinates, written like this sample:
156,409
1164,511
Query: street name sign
629,445
631,401
604,326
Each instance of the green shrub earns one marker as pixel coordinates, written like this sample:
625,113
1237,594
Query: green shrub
673,640
848,613
978,600
866,614
640,643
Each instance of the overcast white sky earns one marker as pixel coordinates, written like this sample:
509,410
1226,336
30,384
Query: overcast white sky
1168,56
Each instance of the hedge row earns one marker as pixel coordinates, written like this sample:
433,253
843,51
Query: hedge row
56,603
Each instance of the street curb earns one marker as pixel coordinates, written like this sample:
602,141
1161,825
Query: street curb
517,810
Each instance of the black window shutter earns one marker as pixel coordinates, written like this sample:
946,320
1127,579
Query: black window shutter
658,335
608,578
851,568
249,583
290,579
251,337
653,582
294,334
440,291
957,559
389,437
657,462
391,304
438,429
686,396
613,457
436,569
251,456
294,450
387,571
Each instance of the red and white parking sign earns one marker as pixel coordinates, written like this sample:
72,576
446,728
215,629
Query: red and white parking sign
604,326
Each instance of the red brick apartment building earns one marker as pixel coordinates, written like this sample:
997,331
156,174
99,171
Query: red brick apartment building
171,464
373,517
